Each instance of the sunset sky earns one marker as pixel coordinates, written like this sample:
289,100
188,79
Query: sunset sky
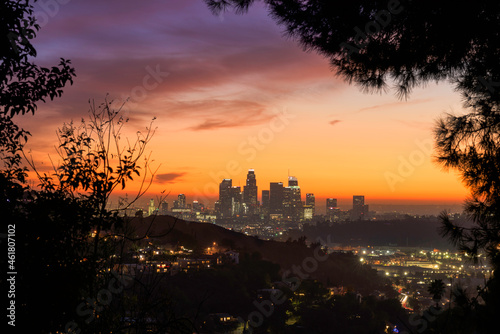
230,93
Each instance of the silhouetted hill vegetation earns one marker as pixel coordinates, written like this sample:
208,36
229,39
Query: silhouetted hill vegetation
410,232
296,257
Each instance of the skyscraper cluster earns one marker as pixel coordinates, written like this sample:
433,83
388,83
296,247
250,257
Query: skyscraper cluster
180,203
235,203
279,202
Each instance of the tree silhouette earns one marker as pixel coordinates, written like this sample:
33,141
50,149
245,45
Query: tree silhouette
23,85
405,43
75,236
436,289
471,144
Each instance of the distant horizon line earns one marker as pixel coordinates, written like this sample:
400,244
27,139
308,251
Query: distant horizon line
368,200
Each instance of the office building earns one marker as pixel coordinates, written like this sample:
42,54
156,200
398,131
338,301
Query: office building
250,192
237,205
359,209
197,206
225,199
265,202
276,198
332,210
151,207
311,201
181,198
164,208
292,201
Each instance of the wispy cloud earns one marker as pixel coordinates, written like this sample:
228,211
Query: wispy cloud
334,122
204,59
168,177
212,124
394,104
216,114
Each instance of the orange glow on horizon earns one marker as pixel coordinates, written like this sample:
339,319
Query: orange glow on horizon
257,102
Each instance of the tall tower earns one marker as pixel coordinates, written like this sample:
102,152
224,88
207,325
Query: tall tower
265,202
250,192
287,203
276,198
182,201
311,201
164,208
358,201
359,209
236,204
151,208
292,201
332,210
225,199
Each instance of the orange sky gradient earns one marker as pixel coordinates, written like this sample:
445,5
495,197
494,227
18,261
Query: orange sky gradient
231,94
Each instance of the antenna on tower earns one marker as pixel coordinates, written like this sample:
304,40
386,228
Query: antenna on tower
288,172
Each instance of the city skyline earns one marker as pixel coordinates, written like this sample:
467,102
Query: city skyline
270,200
242,166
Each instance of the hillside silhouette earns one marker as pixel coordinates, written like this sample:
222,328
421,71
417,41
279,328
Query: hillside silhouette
296,257
406,232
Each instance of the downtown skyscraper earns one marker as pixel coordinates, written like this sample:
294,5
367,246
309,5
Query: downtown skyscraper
276,198
250,193
359,209
332,210
292,201
311,202
225,202
265,202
